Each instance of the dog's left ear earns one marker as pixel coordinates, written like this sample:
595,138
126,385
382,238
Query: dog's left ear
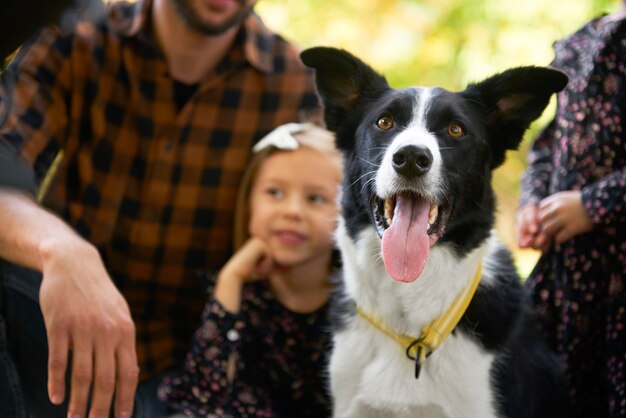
513,100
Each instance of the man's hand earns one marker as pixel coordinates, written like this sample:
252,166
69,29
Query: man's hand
82,309
563,216
85,313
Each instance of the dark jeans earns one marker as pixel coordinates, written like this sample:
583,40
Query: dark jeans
24,354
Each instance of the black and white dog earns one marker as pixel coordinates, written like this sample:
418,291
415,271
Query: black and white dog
416,224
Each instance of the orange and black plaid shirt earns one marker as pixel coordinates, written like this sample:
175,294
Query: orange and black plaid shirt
152,185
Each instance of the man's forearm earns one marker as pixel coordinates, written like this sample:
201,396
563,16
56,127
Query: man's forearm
28,231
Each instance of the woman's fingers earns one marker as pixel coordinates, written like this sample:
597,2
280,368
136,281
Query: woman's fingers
563,216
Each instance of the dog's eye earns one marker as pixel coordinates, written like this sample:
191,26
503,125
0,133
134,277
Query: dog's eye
385,122
455,130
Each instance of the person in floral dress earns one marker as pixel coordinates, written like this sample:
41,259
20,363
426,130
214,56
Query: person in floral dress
261,350
573,209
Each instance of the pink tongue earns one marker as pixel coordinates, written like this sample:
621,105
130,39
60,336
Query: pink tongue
405,242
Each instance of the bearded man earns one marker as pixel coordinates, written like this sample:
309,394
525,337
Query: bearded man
123,140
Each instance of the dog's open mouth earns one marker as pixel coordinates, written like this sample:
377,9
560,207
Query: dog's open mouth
409,226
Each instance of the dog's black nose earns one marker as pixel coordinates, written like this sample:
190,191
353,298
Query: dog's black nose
412,161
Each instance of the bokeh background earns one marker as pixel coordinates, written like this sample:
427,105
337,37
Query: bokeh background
447,43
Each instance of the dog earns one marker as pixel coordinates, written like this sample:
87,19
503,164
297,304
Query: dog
418,248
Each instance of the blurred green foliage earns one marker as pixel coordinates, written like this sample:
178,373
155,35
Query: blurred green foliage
447,43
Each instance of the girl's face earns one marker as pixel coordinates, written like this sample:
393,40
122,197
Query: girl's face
293,205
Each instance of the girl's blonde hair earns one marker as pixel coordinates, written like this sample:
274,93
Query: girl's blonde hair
306,135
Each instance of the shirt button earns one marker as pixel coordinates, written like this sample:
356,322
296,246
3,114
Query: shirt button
232,335
152,217
167,145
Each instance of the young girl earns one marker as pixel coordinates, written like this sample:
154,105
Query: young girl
261,348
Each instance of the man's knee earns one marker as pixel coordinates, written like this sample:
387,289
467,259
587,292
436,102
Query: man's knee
23,345
12,401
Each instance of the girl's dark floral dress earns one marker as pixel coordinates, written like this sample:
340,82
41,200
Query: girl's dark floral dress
579,285
278,356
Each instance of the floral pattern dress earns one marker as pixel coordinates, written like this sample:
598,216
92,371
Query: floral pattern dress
579,285
279,359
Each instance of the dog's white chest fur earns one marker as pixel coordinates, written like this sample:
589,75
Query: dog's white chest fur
370,374
372,377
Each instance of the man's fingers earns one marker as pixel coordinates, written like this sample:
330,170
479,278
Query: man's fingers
127,378
82,374
58,346
103,380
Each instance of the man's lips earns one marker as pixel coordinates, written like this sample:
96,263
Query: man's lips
222,4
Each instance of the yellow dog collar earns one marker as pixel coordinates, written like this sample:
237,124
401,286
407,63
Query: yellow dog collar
434,333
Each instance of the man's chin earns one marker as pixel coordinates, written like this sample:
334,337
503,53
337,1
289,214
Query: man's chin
280,267
213,20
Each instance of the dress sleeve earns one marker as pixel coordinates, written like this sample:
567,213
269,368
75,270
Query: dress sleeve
204,387
536,179
605,200
203,381
33,106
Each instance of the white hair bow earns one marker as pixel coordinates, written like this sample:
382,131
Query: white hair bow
281,137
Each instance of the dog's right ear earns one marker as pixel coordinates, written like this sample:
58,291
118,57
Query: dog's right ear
343,81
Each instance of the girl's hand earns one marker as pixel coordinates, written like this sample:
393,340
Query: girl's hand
563,216
251,262
529,231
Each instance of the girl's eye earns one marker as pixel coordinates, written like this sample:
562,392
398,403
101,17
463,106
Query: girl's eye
316,198
275,192
385,122
456,130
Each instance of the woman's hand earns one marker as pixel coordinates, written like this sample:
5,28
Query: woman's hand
563,216
529,230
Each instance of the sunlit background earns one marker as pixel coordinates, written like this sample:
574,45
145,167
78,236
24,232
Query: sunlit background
446,43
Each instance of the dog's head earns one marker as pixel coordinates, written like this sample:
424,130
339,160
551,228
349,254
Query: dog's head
419,159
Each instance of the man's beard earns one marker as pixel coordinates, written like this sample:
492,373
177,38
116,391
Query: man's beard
190,17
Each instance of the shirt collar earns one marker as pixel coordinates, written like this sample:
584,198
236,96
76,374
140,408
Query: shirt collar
258,45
